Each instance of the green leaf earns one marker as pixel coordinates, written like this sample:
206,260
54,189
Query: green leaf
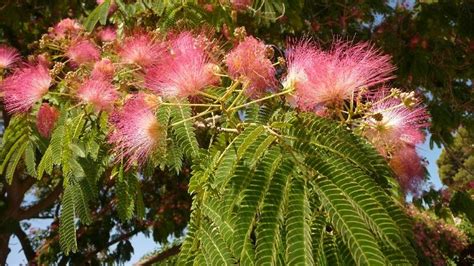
268,228
318,232
98,14
252,197
184,130
46,163
215,247
30,159
298,232
81,203
67,229
126,201
15,159
348,222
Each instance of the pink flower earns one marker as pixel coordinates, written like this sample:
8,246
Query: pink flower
184,70
46,119
25,87
141,49
392,123
66,27
99,93
408,168
103,69
328,77
249,60
8,56
136,132
241,4
82,51
107,34
301,59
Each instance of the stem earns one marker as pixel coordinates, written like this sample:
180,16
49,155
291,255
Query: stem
339,113
351,107
60,93
190,104
74,106
229,91
261,99
209,95
128,71
208,111
77,126
238,96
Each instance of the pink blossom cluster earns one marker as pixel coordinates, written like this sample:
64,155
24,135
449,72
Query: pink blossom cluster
102,69
8,56
326,78
141,49
395,129
241,4
436,239
249,60
66,28
327,82
107,34
46,119
82,52
184,68
136,132
26,86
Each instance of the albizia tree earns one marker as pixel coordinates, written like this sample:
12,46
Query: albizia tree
306,157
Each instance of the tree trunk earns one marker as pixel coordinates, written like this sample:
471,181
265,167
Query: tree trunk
4,249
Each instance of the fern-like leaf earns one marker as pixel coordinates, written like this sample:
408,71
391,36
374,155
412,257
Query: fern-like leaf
184,130
347,221
298,238
67,229
268,229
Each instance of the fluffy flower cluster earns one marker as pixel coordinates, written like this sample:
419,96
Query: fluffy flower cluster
103,69
8,56
141,49
107,34
25,87
327,78
241,4
408,167
136,132
183,64
249,60
395,129
99,93
66,27
184,70
46,119
435,238
82,51
393,122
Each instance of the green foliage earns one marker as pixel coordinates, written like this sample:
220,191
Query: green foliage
281,188
14,143
183,130
67,228
456,163
98,14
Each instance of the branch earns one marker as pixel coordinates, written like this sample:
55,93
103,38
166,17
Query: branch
159,256
115,240
25,244
42,204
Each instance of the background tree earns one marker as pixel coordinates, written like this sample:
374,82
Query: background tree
433,56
